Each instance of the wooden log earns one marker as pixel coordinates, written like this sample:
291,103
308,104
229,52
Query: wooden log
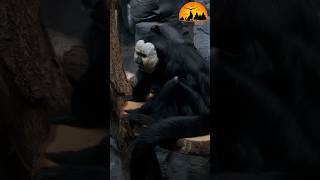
195,145
133,105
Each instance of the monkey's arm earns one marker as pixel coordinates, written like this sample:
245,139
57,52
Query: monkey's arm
141,84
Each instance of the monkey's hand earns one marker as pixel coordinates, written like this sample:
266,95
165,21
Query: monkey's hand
137,122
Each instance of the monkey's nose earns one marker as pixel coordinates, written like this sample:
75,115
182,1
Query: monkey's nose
139,61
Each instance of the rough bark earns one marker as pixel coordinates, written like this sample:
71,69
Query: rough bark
28,55
117,75
32,87
119,89
119,86
195,146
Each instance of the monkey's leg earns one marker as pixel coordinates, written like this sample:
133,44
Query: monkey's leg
143,159
175,98
135,119
141,84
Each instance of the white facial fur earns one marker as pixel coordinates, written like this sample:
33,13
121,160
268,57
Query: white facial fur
151,59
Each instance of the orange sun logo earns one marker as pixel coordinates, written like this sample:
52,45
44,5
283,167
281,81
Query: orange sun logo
193,12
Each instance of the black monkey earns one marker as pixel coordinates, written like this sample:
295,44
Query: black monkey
177,69
181,106
266,74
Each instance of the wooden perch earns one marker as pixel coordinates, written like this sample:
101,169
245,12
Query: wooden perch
132,105
195,145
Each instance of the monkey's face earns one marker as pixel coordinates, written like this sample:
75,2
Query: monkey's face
145,56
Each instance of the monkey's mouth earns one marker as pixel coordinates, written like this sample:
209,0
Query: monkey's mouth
139,61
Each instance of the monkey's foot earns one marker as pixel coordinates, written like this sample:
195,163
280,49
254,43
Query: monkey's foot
137,119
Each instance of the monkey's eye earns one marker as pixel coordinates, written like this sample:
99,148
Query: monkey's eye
141,54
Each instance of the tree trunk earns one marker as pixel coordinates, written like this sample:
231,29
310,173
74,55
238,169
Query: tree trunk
32,88
119,89
117,75
119,86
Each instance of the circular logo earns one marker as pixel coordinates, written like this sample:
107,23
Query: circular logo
194,12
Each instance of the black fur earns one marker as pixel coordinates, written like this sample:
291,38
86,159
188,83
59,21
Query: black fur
176,60
144,164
